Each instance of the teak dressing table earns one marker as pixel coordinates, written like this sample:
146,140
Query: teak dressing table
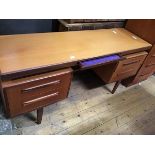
36,69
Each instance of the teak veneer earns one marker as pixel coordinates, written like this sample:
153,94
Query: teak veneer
19,53
35,69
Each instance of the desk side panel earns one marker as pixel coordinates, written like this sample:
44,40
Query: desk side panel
6,107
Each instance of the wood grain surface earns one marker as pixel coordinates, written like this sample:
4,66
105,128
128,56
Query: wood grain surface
29,51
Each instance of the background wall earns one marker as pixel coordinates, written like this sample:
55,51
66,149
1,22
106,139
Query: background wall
21,26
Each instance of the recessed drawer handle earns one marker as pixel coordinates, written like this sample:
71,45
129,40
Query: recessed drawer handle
125,64
40,98
40,86
153,55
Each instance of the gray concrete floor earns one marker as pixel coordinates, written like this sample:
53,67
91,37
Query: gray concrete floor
91,109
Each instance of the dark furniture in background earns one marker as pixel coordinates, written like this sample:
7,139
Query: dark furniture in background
89,24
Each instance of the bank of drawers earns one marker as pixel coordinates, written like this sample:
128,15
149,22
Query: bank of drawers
30,93
148,67
144,73
126,67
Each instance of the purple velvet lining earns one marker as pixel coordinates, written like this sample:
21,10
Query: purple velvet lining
101,60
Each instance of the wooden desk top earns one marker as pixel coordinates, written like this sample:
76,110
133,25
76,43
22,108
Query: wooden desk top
29,51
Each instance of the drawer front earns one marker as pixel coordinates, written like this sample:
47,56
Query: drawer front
133,62
151,61
129,66
124,74
28,94
42,87
142,77
147,70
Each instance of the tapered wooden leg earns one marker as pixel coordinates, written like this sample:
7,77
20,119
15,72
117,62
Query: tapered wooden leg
39,115
115,87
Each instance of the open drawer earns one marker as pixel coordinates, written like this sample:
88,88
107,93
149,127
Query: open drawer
91,63
27,94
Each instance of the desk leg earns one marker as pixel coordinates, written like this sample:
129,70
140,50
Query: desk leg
116,86
39,115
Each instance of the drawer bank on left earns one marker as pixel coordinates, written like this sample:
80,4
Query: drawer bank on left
34,92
